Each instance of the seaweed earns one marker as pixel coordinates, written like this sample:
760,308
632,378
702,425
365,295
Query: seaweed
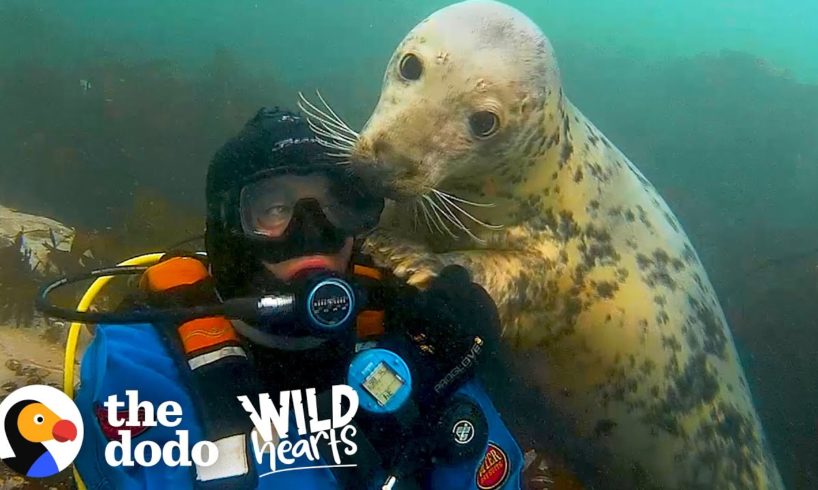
150,223
76,259
18,283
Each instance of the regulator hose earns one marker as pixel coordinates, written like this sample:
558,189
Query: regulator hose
233,308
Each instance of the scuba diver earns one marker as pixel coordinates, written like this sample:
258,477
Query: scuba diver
301,310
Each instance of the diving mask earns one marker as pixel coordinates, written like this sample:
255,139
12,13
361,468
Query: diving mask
286,214
271,206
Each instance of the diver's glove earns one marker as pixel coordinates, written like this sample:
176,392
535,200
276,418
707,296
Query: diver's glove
453,323
460,307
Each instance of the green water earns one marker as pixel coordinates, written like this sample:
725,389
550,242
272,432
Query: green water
307,41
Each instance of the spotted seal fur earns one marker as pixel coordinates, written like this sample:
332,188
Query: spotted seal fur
613,322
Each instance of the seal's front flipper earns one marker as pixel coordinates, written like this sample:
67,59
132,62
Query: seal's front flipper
409,260
514,279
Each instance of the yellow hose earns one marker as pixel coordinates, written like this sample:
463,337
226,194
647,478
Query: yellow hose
84,304
76,327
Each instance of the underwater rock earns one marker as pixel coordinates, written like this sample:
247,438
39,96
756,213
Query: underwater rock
14,365
41,236
31,247
18,283
9,386
27,371
55,332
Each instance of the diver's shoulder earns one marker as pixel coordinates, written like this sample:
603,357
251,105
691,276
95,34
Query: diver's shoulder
137,336
132,354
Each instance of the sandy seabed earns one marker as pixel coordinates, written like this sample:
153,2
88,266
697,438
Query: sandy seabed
27,357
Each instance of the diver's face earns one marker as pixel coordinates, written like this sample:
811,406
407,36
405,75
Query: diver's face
273,217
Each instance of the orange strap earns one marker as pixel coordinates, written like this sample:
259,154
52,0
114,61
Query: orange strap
203,333
370,272
177,271
200,333
369,323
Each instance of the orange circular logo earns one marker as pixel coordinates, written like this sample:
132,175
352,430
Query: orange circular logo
493,470
40,431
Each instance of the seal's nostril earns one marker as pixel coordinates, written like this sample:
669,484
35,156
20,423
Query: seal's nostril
380,147
408,171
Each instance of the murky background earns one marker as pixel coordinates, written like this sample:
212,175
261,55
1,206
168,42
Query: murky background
110,111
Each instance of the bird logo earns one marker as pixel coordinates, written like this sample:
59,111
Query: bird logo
41,431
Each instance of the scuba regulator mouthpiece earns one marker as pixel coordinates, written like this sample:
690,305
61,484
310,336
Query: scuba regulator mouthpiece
321,304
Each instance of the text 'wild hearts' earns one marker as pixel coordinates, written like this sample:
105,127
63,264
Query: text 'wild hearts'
272,423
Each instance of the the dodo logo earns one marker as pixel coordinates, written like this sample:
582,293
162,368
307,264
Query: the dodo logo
41,431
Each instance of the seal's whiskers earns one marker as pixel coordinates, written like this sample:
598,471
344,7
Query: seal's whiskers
321,128
437,212
431,217
452,217
335,116
328,131
338,126
331,125
340,141
464,201
331,131
452,201
425,214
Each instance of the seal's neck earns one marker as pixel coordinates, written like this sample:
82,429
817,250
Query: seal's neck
575,168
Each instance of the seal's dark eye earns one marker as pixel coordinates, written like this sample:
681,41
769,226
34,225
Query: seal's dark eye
484,123
410,67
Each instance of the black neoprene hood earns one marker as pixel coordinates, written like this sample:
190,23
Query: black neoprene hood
273,140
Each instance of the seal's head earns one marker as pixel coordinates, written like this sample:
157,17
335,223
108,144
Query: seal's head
459,97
